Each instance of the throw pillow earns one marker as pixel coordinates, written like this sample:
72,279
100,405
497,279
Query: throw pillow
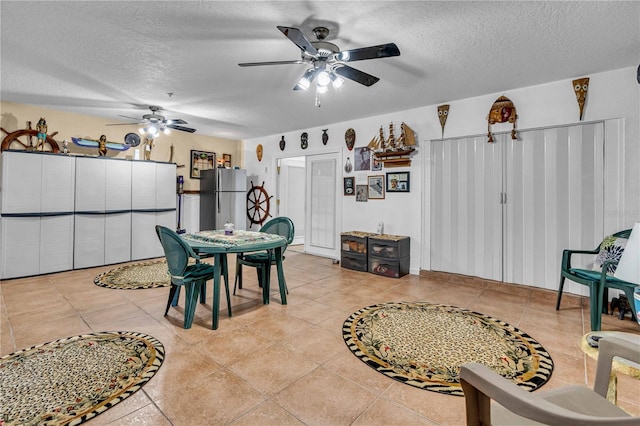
610,249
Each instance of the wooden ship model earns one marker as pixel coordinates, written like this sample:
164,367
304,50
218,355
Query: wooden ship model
391,151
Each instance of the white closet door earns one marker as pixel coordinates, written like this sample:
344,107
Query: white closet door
554,201
322,235
465,207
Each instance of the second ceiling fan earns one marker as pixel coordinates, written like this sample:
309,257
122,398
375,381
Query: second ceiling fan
328,61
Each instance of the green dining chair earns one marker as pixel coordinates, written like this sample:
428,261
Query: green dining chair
282,226
191,276
598,281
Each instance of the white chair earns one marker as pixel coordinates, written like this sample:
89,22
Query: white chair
569,405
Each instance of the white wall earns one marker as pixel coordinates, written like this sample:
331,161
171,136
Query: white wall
612,94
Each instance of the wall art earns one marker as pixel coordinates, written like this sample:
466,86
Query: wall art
581,86
362,193
325,136
398,182
363,159
349,185
376,187
226,160
350,138
502,111
259,152
201,160
443,113
282,143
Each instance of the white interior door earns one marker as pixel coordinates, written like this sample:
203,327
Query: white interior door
291,200
321,233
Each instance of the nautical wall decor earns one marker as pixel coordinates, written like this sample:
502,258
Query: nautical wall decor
392,151
304,140
23,139
581,86
325,136
502,111
259,152
443,113
282,143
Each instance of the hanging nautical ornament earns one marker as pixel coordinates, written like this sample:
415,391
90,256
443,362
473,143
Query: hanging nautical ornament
347,166
350,138
304,140
282,143
443,113
325,136
580,86
502,111
259,151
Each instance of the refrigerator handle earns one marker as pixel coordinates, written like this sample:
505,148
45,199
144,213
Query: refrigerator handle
217,190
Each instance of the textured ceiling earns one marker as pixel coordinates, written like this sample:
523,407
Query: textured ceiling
112,58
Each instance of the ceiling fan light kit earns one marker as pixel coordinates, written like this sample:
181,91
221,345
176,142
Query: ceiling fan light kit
154,123
328,62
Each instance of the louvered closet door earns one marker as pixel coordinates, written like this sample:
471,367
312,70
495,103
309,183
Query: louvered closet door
466,214
554,200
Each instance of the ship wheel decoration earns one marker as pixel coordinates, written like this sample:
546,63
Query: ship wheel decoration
30,139
258,204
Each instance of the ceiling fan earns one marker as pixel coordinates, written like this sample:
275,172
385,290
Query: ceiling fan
155,123
328,61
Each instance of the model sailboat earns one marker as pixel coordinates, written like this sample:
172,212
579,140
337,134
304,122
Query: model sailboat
391,151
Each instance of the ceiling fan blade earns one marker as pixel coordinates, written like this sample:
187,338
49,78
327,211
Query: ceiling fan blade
130,118
356,75
371,52
175,121
182,128
296,36
123,124
256,64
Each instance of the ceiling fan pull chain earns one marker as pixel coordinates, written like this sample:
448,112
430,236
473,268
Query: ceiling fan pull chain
317,99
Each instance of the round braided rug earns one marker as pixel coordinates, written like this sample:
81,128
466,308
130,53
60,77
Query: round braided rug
136,276
72,380
424,345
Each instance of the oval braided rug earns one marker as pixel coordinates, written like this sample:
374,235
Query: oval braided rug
424,344
135,276
72,380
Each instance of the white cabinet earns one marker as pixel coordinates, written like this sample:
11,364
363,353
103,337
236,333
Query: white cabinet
153,202
37,213
102,211
505,210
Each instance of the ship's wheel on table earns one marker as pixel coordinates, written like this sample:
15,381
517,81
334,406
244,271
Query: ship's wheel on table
27,139
258,204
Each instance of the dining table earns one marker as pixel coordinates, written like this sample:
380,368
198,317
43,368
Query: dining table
219,243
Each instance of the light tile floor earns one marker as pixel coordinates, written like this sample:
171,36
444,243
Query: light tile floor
287,365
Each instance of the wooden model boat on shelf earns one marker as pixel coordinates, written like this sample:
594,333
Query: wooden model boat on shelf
391,151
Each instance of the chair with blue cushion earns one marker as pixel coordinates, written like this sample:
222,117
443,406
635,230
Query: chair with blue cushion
262,261
193,276
598,281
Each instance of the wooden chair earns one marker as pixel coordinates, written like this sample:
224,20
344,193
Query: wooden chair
191,276
597,281
262,260
568,405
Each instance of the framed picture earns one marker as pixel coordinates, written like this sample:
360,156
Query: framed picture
226,160
376,187
376,165
362,159
349,185
201,160
398,182
362,193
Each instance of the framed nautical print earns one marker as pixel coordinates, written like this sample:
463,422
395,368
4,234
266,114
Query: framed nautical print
398,182
376,187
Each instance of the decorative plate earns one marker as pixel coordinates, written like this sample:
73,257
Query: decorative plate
350,138
132,139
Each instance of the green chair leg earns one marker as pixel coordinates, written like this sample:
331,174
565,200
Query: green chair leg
560,287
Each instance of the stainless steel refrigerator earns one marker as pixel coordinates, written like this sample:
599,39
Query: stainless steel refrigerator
223,198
